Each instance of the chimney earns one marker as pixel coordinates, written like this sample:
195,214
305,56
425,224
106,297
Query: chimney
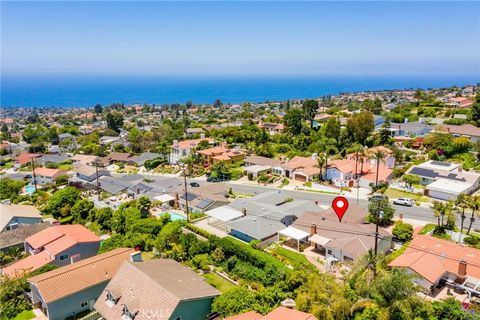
244,212
313,229
202,136
175,142
462,269
136,256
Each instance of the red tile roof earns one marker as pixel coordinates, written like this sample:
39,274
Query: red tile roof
46,172
192,143
65,234
432,257
28,264
24,158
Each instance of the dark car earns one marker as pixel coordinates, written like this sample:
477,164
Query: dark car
194,184
378,197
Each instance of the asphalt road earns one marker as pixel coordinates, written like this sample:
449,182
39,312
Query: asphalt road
420,213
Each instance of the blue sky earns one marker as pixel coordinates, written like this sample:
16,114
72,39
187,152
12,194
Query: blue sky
287,38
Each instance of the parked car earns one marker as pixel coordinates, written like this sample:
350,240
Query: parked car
194,184
378,197
404,202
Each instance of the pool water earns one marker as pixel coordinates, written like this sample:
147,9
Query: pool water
174,216
30,189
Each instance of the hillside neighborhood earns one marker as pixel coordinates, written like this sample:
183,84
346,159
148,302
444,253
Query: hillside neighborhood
224,211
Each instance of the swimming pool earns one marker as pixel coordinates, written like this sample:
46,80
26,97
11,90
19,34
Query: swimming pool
30,189
174,216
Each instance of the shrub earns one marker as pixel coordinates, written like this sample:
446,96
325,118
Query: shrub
472,240
403,231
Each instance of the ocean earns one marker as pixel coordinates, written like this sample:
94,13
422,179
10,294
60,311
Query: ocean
86,91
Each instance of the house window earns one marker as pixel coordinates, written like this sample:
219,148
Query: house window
64,256
84,304
126,314
329,251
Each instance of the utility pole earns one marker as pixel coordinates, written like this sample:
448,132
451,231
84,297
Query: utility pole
98,183
186,192
34,175
378,216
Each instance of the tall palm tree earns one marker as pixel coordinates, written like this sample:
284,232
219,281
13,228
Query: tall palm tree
327,147
320,164
475,207
437,210
462,202
378,156
356,149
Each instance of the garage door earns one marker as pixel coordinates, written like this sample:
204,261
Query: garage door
440,195
300,177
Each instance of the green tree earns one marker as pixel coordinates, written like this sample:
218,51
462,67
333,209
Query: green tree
310,108
293,121
144,204
474,206
381,210
10,189
476,110
360,126
385,137
234,301
411,179
104,217
81,210
403,231
379,156
373,106
332,128
114,121
61,202
98,108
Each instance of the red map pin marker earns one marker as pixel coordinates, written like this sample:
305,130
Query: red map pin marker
340,206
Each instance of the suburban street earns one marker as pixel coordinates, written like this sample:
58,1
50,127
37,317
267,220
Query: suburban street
420,213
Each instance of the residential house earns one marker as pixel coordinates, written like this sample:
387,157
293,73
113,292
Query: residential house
279,313
190,132
46,159
181,149
15,215
65,136
445,180
83,159
301,168
221,154
342,172
461,102
409,129
464,130
349,239
57,245
115,157
139,160
156,289
274,165
14,238
24,159
263,215
73,289
46,175
272,128
202,198
435,261
89,173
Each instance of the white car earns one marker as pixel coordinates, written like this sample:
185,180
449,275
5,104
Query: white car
404,202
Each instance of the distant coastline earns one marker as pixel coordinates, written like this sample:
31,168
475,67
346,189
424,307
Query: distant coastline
86,91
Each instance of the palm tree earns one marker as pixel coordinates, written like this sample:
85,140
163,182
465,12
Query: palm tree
475,207
437,211
378,156
320,164
462,202
328,147
357,149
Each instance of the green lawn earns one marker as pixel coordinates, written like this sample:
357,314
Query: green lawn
393,193
65,167
218,282
25,315
294,258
